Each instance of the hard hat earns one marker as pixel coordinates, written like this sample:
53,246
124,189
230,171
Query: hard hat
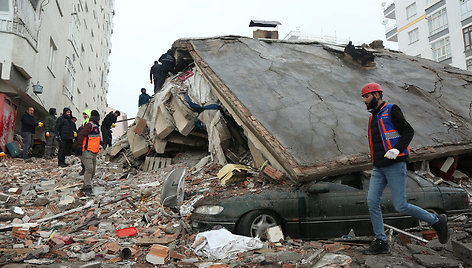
371,87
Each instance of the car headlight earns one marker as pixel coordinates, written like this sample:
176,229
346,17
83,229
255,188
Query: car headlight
209,210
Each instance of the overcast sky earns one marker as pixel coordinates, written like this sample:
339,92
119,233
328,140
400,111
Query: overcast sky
145,29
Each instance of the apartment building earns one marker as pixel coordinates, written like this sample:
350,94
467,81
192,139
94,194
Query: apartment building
439,30
55,53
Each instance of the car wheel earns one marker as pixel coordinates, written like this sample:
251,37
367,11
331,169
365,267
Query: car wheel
256,223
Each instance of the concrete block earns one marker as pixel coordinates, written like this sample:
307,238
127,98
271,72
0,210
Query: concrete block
463,251
157,254
275,234
160,145
140,126
184,119
164,124
115,149
138,144
435,261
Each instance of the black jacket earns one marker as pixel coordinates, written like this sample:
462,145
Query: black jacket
65,127
156,70
402,126
168,61
109,120
28,123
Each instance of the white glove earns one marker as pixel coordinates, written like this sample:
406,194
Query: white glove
392,153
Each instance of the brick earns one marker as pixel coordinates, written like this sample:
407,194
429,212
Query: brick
158,254
334,247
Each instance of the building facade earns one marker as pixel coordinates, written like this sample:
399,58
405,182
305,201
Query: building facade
55,53
439,30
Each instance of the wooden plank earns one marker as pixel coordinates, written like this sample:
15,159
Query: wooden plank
146,164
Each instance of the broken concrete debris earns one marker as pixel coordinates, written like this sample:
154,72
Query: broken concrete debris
179,152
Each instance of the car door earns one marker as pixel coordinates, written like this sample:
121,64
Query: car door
336,212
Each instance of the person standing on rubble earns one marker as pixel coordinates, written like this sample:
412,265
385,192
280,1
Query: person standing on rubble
143,98
88,146
389,138
50,128
64,135
28,126
86,115
108,123
159,75
168,62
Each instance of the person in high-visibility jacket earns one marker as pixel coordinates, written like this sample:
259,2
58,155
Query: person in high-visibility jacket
88,142
389,138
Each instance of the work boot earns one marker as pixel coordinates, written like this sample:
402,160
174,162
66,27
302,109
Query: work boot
378,246
63,165
82,172
87,191
441,229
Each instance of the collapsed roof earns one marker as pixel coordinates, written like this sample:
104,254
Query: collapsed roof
299,103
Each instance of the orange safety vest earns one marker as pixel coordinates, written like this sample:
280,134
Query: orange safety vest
388,133
92,141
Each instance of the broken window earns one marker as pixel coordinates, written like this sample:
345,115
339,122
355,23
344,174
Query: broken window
52,54
437,22
441,49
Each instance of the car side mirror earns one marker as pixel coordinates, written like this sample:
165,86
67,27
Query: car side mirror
318,188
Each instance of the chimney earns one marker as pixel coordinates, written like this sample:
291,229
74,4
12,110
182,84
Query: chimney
265,33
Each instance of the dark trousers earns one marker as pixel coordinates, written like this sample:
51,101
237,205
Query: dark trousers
64,149
106,135
27,143
159,80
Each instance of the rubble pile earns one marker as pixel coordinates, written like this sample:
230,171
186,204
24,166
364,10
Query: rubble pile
44,220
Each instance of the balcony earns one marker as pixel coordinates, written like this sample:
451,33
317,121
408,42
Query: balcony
391,34
389,12
17,27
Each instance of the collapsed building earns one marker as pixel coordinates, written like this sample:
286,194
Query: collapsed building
297,105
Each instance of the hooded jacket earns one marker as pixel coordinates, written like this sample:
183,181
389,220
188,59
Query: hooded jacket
143,98
50,122
86,120
109,120
65,126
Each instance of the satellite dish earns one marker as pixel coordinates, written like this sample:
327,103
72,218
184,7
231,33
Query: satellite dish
173,190
384,22
383,4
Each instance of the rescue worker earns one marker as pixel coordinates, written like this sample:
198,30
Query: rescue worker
28,126
158,74
168,62
143,98
389,138
65,136
107,123
88,146
50,128
86,114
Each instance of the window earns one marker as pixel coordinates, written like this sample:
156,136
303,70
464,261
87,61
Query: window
411,10
469,64
70,80
466,8
441,49
4,5
75,33
437,22
467,38
413,35
52,54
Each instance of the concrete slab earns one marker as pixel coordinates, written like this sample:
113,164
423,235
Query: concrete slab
164,124
302,101
433,261
184,120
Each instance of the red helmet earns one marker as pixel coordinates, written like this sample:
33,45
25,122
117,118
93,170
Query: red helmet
371,87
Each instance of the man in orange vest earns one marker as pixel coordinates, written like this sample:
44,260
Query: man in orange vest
88,142
389,138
